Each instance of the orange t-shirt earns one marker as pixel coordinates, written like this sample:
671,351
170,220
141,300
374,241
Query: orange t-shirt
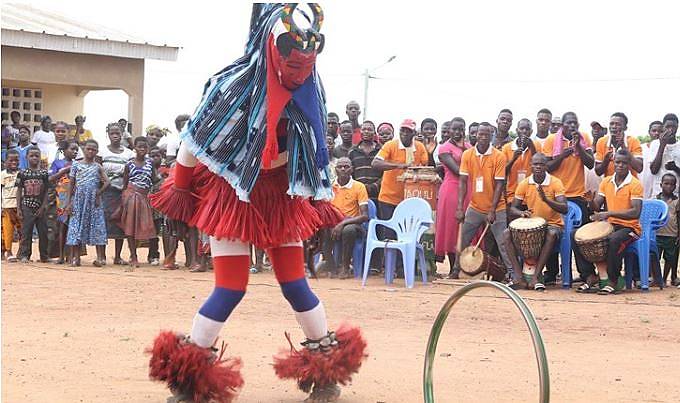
483,171
571,171
620,198
350,197
604,145
520,170
391,190
527,191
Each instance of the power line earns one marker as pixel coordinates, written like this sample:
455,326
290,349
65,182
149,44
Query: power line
520,81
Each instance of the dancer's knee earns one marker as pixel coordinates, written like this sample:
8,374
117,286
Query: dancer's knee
299,295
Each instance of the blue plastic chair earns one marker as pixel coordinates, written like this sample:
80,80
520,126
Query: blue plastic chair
571,220
410,220
654,215
359,245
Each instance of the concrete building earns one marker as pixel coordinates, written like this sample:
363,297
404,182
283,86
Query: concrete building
50,62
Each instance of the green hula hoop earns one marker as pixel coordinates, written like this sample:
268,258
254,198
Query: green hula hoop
539,348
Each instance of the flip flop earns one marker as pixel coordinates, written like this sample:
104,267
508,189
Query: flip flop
586,288
607,290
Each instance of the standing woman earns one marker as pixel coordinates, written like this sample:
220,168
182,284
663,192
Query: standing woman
450,153
136,217
114,157
428,130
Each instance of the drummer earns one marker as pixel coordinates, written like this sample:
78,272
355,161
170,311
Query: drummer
622,193
485,168
544,197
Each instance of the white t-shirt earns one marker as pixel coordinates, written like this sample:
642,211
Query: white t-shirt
114,164
44,140
671,153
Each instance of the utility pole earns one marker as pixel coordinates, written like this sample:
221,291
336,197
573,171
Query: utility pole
367,77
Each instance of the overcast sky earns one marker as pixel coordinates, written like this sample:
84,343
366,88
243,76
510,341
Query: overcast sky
466,59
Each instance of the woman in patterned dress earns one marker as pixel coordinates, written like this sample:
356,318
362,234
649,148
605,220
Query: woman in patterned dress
136,218
87,225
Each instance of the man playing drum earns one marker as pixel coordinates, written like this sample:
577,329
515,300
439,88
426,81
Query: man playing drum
622,193
544,197
485,166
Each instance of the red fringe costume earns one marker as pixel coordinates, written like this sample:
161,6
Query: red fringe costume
270,219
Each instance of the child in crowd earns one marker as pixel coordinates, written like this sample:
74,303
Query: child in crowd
59,176
136,217
10,219
668,237
22,148
31,204
87,225
154,251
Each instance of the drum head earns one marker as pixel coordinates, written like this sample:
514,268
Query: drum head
593,230
527,223
471,258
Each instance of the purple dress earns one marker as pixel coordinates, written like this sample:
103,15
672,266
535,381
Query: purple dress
447,204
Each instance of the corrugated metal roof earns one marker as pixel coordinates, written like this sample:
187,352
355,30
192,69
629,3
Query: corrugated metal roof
57,32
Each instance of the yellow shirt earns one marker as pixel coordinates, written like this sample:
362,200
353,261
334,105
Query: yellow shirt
527,191
391,190
520,170
619,198
571,171
84,136
349,197
604,145
483,171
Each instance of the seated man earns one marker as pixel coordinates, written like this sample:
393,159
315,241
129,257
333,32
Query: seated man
544,197
351,199
623,195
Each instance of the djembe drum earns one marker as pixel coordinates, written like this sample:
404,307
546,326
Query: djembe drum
474,260
528,235
592,240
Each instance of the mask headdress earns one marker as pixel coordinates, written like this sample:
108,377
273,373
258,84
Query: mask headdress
239,123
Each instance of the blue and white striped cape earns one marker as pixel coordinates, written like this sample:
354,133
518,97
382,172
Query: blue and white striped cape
227,132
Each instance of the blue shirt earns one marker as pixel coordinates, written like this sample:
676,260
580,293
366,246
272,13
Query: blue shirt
23,161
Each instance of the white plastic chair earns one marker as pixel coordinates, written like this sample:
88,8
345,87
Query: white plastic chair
410,220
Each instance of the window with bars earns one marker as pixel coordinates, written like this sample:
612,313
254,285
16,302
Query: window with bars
27,101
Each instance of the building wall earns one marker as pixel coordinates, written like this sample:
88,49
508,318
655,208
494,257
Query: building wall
60,102
71,75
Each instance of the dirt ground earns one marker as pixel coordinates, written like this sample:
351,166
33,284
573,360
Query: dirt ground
78,335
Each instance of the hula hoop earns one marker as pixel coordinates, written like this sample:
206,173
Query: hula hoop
539,348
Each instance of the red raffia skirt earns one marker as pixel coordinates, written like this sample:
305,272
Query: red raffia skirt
271,218
136,214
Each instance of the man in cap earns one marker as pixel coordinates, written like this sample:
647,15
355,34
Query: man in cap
392,159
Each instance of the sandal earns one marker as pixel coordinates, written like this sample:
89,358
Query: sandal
12,259
586,288
98,263
120,262
539,287
170,266
607,290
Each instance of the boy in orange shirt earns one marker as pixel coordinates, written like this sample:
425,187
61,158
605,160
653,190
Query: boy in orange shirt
351,198
609,144
623,194
568,151
485,166
518,153
544,197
